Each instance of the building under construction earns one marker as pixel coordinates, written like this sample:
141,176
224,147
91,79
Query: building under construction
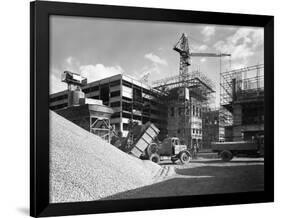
174,104
186,99
188,95
242,99
130,100
213,129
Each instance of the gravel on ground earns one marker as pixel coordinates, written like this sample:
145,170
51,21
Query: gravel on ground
83,167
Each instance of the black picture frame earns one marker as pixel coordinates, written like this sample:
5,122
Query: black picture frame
39,107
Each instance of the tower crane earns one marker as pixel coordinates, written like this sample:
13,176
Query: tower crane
182,47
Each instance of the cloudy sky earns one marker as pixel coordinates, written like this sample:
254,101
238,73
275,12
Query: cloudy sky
98,48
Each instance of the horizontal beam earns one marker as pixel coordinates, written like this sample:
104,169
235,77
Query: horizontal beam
209,55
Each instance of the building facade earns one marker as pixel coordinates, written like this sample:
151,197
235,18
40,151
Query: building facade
130,100
214,130
185,116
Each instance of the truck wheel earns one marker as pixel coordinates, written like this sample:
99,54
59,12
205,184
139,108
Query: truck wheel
151,149
184,157
155,158
173,159
226,155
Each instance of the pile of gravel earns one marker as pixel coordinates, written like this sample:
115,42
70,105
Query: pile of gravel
83,167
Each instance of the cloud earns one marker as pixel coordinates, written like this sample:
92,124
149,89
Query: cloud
258,37
155,59
202,47
99,71
55,81
241,51
238,66
208,32
242,44
154,70
150,70
71,64
91,72
198,48
242,35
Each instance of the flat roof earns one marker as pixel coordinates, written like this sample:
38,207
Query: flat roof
111,79
116,77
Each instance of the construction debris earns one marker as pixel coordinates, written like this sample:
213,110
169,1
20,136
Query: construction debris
83,167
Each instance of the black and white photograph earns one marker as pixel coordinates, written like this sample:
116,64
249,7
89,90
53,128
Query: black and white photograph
150,109
141,108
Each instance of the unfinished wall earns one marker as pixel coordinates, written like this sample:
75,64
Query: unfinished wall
242,94
212,130
184,116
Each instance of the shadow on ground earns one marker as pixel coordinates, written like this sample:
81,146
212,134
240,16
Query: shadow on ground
202,180
230,162
217,161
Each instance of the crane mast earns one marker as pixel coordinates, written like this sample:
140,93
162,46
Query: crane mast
182,47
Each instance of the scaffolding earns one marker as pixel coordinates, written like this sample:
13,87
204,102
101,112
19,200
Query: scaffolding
186,99
175,81
198,84
240,84
241,101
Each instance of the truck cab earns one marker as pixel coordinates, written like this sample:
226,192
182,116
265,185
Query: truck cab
172,147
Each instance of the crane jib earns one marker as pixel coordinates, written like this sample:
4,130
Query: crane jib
209,54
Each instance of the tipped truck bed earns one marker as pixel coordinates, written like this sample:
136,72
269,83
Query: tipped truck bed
145,139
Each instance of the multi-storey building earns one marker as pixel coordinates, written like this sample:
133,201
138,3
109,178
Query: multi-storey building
242,95
129,98
185,116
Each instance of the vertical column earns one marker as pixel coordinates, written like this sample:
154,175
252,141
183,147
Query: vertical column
132,102
99,92
237,122
121,106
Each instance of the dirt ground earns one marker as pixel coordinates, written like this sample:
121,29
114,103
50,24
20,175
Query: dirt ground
205,176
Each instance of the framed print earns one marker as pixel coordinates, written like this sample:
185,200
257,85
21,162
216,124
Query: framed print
142,109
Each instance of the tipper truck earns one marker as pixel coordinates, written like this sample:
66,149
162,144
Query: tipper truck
142,142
